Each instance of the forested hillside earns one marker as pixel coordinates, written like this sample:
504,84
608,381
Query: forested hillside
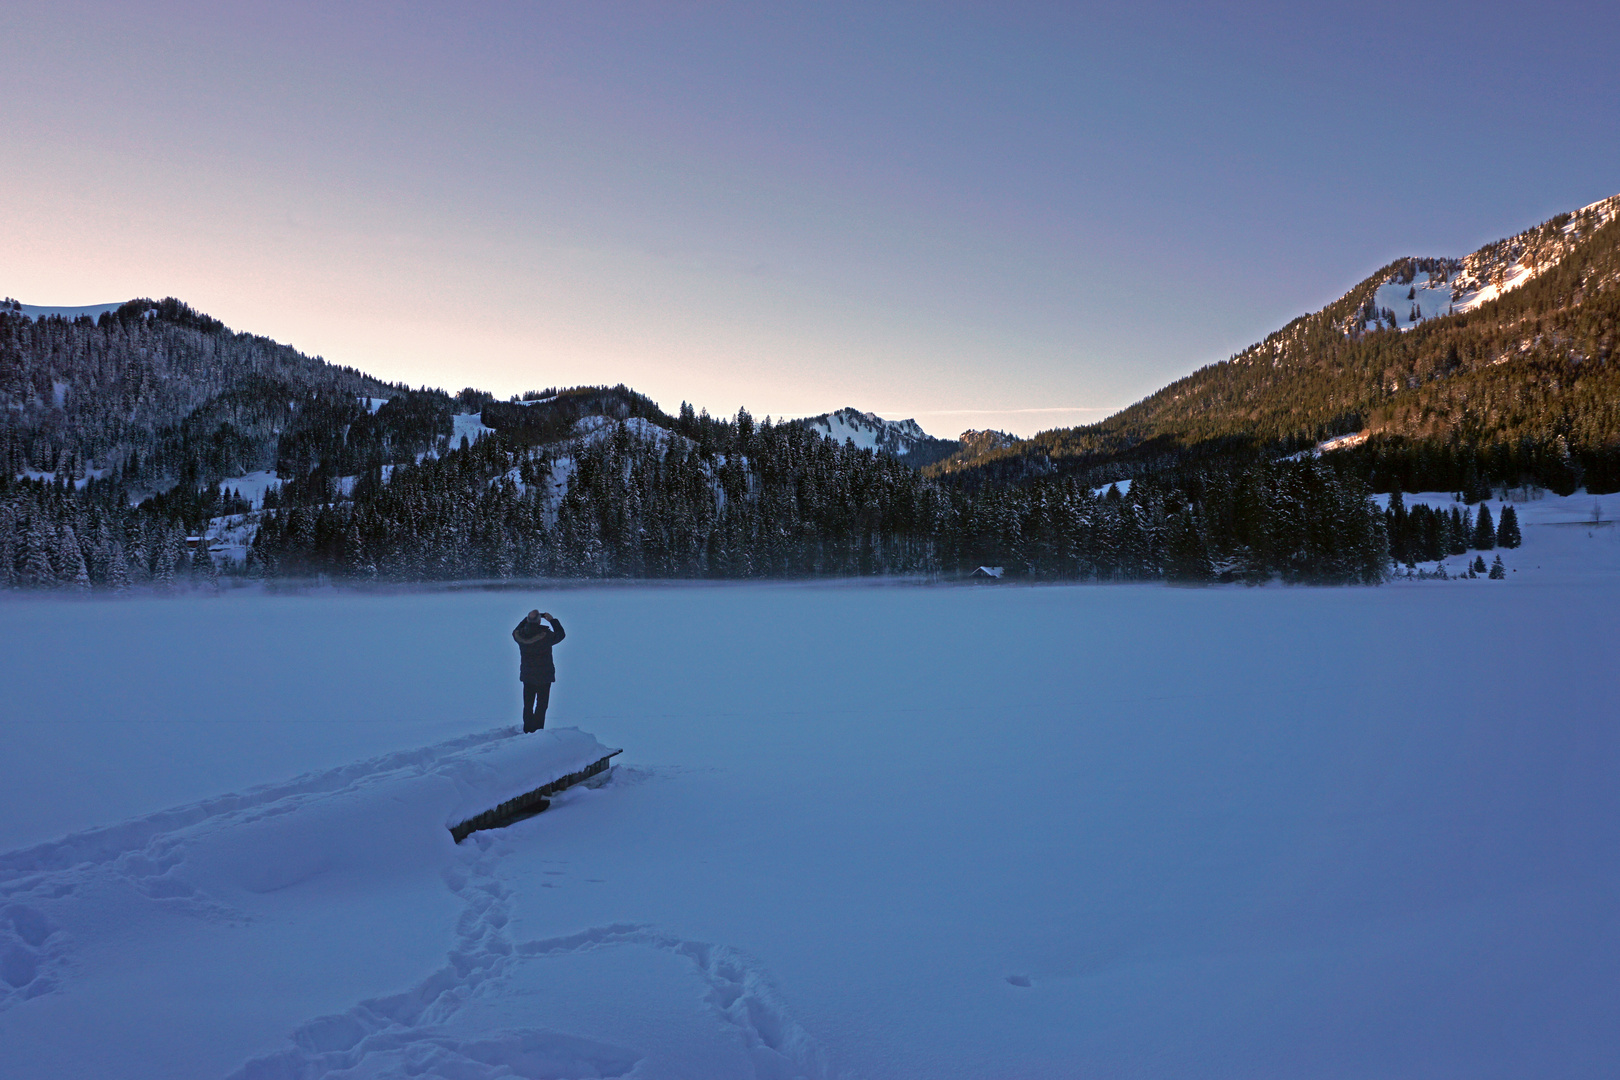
156,394
1516,386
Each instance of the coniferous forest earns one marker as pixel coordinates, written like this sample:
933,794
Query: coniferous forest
729,500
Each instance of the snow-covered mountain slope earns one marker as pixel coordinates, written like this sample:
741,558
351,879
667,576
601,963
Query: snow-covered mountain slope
869,431
1419,289
589,432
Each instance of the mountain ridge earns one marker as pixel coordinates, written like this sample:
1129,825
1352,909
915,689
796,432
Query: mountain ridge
139,386
1464,367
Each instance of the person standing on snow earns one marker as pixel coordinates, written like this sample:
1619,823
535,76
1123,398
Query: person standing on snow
537,671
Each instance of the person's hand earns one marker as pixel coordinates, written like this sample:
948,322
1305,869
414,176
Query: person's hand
547,615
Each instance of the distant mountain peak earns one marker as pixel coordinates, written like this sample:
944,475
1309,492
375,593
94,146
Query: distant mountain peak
869,431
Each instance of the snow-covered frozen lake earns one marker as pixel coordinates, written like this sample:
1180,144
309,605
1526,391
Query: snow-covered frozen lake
871,831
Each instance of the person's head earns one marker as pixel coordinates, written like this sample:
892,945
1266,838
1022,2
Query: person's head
534,616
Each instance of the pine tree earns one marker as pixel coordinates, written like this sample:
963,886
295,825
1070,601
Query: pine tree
8,547
354,552
164,560
203,567
1187,558
71,570
1484,530
1498,571
37,571
1507,530
1457,536
117,569
1400,548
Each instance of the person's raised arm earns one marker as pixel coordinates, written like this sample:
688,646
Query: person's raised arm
556,627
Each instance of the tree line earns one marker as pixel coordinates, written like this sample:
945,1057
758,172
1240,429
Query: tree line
712,498
1428,534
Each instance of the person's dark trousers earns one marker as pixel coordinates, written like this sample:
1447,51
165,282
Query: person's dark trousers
536,697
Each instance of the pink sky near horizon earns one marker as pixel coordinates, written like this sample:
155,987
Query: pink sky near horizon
1021,220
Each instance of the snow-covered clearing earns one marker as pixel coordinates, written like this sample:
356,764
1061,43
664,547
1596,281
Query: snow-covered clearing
1431,299
1341,442
1120,831
1533,507
1124,487
469,426
50,477
592,430
252,486
1327,446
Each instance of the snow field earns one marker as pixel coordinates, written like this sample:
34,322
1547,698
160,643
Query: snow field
857,830
252,486
469,426
1432,299
503,770
1567,539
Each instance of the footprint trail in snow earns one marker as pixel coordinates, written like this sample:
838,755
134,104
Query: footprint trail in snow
414,1033
214,861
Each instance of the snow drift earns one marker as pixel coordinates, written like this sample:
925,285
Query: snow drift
494,779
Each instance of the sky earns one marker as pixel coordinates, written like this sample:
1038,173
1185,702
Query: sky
980,216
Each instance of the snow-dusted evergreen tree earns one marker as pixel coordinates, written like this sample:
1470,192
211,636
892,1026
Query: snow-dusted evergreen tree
1507,530
204,571
1484,530
37,571
117,568
72,573
165,559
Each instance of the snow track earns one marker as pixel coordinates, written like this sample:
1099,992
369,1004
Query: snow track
416,1032
214,860
114,845
147,856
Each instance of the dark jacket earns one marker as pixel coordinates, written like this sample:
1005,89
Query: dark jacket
535,640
